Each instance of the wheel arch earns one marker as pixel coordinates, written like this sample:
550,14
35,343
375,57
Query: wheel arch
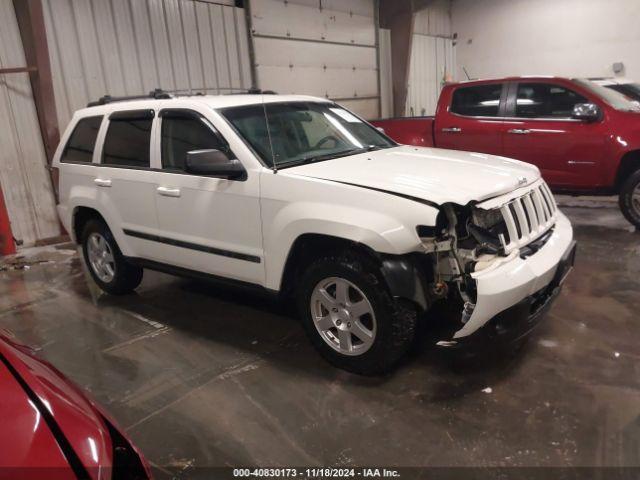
629,163
401,273
81,215
309,246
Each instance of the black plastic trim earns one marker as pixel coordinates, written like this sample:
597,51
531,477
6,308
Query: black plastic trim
405,280
192,246
207,277
144,114
67,450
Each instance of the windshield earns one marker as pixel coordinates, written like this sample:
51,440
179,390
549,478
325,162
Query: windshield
303,132
631,90
613,98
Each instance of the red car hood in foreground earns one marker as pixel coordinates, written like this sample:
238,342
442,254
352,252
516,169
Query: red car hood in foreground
52,430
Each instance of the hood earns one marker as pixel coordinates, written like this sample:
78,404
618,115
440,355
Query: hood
432,174
80,423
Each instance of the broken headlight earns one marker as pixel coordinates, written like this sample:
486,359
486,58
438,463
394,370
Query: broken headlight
487,219
489,229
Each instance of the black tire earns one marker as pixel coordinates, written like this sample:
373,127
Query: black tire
396,320
630,210
126,276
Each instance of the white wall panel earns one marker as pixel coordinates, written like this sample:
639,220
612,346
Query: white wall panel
23,175
129,47
315,20
432,60
366,108
574,38
434,20
431,64
323,48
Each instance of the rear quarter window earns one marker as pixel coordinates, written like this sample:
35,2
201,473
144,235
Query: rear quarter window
79,148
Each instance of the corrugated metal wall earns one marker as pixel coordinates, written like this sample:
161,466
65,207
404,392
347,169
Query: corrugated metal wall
432,58
435,20
23,174
129,47
325,48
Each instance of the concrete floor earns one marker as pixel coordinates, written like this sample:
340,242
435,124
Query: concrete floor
206,376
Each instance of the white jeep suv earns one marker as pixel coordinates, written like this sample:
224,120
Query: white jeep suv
296,195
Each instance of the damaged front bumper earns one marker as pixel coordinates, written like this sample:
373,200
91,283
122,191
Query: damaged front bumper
512,297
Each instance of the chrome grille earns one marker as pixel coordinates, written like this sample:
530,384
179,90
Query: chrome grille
529,216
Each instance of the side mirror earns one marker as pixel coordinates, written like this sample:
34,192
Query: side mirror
381,130
588,112
213,163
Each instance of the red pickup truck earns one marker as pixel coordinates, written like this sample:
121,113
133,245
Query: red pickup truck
585,138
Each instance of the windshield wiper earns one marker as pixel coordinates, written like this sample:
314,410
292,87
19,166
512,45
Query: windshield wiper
329,156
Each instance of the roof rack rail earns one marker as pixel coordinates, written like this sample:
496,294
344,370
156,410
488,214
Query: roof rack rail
254,91
159,94
156,94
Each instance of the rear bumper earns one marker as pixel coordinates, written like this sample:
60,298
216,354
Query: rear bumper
512,298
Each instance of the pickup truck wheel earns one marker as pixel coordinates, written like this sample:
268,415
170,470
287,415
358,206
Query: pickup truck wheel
350,317
105,262
630,199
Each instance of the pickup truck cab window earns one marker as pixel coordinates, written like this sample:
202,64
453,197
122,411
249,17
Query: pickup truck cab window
546,100
182,132
303,132
82,142
477,101
128,138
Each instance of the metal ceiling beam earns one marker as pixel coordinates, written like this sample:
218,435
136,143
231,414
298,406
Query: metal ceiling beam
30,19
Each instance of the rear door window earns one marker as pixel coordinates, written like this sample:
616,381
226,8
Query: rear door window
128,137
79,148
183,132
546,100
477,101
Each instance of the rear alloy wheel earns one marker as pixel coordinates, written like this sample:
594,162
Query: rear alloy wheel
106,264
350,317
630,199
101,258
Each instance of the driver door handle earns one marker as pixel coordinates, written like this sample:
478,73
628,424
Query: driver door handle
452,130
519,131
168,191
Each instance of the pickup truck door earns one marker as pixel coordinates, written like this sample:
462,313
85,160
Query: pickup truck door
470,118
539,129
206,224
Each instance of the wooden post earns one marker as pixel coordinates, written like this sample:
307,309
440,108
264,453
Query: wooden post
34,42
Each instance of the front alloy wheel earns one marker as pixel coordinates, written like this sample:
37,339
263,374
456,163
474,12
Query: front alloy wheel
349,315
343,316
